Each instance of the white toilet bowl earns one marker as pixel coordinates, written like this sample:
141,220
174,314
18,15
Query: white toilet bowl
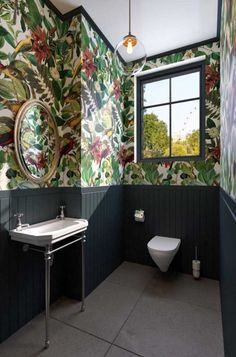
163,250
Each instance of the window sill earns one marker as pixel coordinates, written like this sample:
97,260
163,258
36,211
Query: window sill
171,159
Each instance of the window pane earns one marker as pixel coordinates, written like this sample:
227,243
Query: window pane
186,129
185,87
156,141
156,93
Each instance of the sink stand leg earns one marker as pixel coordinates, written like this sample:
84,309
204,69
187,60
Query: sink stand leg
83,274
47,258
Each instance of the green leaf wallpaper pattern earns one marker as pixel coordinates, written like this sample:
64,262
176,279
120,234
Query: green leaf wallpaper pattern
178,173
38,60
228,98
101,112
68,66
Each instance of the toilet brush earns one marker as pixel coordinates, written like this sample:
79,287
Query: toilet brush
196,265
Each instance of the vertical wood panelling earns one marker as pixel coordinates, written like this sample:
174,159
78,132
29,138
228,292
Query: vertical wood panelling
22,274
4,267
228,271
104,252
104,248
190,213
71,256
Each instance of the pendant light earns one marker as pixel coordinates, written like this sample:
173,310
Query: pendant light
130,55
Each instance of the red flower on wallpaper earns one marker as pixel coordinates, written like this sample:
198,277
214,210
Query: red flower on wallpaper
106,152
168,164
116,88
215,153
123,156
88,66
67,148
97,150
7,138
212,77
40,46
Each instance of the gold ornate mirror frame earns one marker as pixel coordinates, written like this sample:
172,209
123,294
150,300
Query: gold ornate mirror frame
21,115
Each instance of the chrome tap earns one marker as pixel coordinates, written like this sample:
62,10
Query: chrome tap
19,224
62,214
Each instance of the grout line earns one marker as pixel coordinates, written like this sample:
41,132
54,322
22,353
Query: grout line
93,335
112,343
125,349
79,329
130,313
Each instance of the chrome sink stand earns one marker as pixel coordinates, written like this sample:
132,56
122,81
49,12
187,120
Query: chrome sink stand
48,258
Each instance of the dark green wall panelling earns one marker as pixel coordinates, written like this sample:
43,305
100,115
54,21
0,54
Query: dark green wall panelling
22,274
189,213
103,207
228,271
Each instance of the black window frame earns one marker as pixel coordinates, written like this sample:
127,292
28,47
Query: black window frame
165,74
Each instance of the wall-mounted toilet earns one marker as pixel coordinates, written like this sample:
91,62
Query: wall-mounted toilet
163,250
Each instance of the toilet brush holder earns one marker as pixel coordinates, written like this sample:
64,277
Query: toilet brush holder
196,265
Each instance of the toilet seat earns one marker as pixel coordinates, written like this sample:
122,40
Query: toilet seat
163,244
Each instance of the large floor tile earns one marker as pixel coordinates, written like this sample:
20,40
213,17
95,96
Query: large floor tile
182,287
107,308
132,275
165,328
65,342
119,352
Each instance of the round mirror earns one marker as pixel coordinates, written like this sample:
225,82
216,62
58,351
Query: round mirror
36,141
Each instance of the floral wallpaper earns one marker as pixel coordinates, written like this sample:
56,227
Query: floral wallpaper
228,97
186,172
101,107
39,59
69,67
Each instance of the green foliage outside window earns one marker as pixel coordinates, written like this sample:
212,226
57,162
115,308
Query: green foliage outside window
155,137
156,140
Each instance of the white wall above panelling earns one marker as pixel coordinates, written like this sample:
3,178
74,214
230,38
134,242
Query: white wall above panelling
162,25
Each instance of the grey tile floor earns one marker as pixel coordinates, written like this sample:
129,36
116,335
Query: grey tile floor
136,311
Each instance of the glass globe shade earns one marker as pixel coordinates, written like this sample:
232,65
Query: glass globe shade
130,55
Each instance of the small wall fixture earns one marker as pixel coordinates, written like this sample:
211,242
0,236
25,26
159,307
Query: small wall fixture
130,55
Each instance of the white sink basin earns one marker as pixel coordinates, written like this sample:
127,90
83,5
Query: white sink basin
49,232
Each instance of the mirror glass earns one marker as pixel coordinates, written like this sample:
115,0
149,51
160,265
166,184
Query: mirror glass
37,141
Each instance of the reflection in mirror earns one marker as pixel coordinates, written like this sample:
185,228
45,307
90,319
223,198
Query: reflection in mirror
37,142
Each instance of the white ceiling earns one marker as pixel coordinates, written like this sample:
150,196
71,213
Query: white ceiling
162,25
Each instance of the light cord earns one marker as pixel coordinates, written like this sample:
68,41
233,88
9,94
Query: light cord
129,17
